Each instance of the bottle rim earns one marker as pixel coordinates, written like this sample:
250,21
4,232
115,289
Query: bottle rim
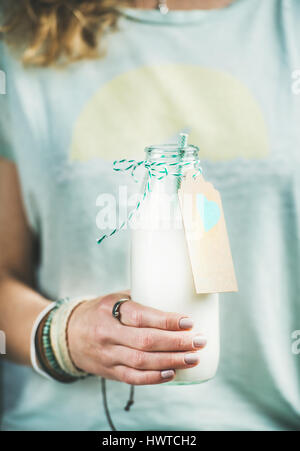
172,147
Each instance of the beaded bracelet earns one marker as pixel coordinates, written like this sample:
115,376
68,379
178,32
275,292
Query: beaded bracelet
47,344
47,348
36,357
46,368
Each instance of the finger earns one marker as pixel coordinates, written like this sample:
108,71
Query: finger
156,340
136,377
108,301
137,315
142,360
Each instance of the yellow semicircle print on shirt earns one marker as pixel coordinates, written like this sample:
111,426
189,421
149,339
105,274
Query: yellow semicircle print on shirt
152,104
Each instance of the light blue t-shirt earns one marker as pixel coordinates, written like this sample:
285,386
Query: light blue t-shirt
229,78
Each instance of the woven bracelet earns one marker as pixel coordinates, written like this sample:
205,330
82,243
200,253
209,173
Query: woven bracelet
54,341
46,343
48,352
59,338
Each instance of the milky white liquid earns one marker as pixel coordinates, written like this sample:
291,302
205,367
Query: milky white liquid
161,277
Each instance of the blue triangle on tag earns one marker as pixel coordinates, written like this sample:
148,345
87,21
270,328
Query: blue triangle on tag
209,211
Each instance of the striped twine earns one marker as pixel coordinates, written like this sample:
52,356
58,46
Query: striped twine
156,170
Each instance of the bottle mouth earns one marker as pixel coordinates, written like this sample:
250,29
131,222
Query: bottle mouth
169,151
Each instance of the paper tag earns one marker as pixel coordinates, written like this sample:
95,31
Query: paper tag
206,236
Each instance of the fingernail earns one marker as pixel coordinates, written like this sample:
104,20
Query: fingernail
186,323
167,374
199,341
191,358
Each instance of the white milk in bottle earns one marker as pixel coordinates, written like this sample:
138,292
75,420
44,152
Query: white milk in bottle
161,274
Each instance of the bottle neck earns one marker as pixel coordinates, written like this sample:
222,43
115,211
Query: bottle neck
170,163
171,153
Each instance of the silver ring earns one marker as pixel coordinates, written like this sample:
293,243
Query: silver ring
116,308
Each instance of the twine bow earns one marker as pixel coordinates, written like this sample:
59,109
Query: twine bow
156,170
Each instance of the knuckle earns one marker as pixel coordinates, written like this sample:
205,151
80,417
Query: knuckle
170,321
105,302
104,357
126,379
124,375
179,342
165,322
130,379
139,359
147,379
174,362
100,334
136,318
147,341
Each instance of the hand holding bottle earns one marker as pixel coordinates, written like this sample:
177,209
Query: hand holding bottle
145,348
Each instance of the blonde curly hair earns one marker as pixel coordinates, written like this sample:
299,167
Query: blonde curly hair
48,32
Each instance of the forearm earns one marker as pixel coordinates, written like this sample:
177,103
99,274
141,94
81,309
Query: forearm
19,307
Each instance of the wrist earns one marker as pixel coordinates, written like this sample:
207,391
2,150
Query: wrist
50,355
42,356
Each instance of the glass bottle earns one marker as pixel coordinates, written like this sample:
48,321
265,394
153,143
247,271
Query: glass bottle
161,274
